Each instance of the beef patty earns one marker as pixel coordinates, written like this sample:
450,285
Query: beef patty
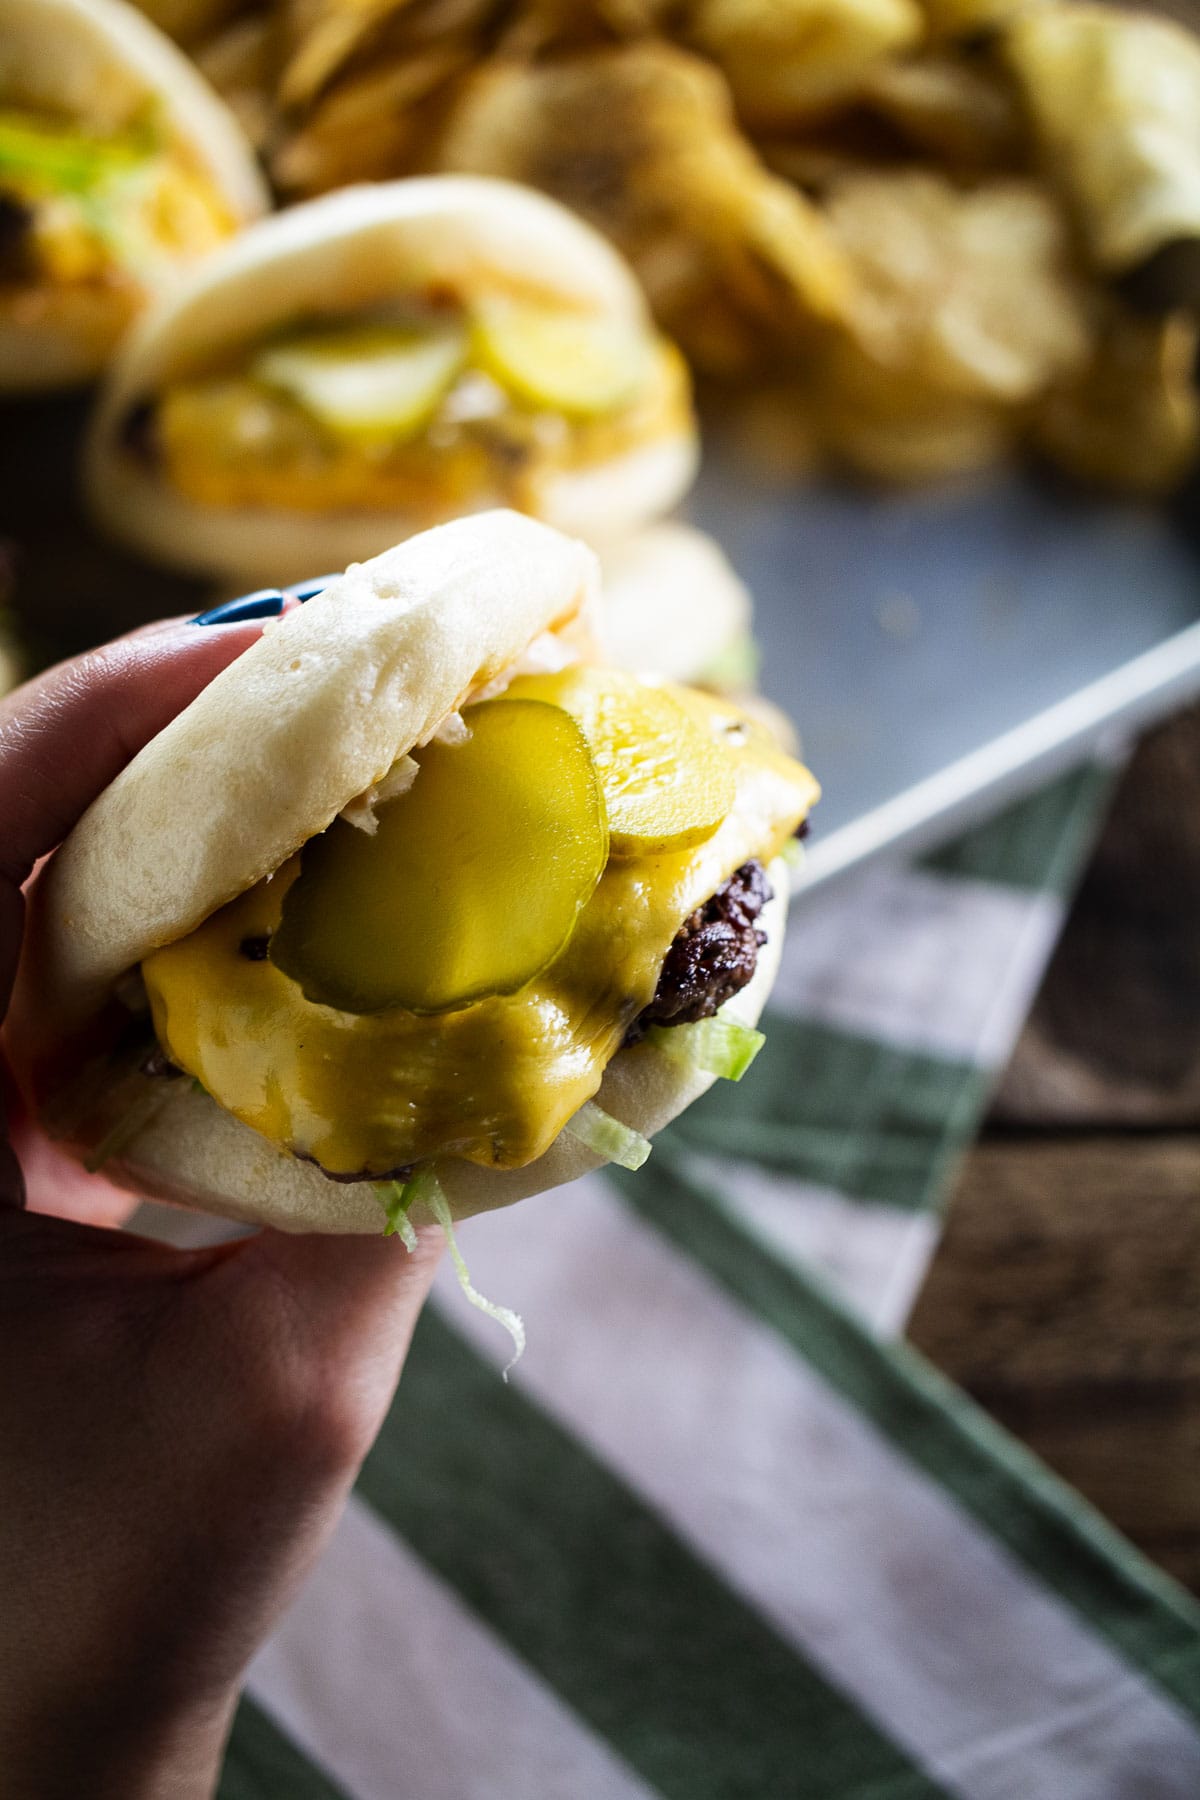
713,955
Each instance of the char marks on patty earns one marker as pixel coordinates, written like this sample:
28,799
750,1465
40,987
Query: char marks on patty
713,955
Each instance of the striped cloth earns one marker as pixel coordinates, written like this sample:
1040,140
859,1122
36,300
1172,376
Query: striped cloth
722,1537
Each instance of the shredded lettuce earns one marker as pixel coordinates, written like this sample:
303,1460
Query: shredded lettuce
736,666
608,1137
396,1197
717,1046
512,1322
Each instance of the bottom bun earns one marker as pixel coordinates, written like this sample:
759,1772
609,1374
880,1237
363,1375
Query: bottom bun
196,1154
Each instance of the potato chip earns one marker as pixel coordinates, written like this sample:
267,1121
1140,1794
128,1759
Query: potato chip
1115,102
189,21
641,140
962,112
814,162
771,424
1131,419
972,19
793,60
891,426
536,27
325,47
968,292
370,127
328,40
240,61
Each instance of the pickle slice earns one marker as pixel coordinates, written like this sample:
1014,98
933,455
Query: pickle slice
370,381
571,362
667,782
471,884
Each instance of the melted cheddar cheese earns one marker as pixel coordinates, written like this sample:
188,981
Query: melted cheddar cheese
228,440
493,1082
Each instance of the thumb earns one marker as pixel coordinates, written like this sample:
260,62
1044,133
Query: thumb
65,736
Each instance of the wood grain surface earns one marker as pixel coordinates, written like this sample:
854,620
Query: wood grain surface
1066,1293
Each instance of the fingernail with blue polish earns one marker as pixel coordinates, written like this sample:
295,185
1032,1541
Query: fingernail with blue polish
308,590
265,603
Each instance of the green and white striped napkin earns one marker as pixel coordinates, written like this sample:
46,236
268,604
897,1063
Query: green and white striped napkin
721,1537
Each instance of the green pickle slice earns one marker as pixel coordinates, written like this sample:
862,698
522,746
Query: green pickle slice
369,381
667,782
471,884
571,362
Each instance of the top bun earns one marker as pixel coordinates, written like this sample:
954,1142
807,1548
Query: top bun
351,251
304,722
358,248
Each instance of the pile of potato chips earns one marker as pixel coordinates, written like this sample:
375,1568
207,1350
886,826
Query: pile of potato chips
917,234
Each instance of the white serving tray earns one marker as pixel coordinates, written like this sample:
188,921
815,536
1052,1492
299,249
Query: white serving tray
946,651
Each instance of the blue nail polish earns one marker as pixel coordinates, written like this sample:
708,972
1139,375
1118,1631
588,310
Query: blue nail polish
308,590
264,603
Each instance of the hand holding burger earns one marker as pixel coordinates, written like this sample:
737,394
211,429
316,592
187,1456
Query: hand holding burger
347,925
418,909
151,1394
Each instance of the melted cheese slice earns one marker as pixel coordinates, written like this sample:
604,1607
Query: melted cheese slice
229,441
494,1082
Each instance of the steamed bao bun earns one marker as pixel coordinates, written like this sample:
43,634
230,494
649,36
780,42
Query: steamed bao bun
674,607
381,360
92,80
304,723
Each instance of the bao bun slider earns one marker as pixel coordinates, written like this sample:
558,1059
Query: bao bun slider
382,360
674,607
118,167
416,891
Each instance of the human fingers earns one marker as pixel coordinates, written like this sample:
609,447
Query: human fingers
66,735
341,1312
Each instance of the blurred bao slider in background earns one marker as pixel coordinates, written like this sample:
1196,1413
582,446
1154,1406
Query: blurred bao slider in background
118,165
674,607
382,360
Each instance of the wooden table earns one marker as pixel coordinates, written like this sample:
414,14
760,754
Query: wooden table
1066,1294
